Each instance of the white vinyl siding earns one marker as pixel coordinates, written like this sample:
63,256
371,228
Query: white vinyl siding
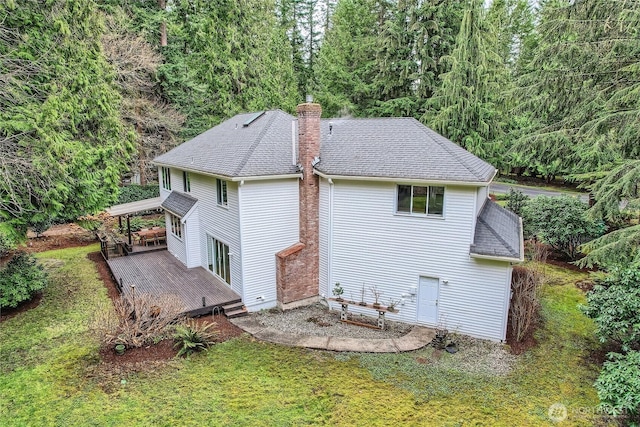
269,224
221,224
375,246
192,238
175,245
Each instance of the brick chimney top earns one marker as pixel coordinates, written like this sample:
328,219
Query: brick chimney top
309,107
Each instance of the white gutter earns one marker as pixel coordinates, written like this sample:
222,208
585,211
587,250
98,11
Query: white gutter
400,180
496,258
265,177
229,178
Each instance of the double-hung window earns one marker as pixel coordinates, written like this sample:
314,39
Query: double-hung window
186,181
176,226
221,190
425,200
166,178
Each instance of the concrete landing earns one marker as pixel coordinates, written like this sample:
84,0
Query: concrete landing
417,338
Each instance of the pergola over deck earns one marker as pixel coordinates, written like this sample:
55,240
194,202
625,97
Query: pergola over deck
128,209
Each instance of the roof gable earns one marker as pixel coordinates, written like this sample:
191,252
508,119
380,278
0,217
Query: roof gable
179,203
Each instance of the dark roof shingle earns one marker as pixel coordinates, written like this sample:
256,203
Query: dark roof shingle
396,148
401,148
179,203
498,233
231,149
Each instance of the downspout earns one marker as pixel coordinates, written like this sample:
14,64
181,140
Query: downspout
330,239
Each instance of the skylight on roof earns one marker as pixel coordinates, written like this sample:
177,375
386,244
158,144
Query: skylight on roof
253,118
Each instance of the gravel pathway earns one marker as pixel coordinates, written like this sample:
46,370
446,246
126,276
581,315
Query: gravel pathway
318,320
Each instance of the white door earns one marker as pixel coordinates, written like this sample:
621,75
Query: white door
428,300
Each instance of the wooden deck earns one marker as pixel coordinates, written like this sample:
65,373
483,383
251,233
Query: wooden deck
161,273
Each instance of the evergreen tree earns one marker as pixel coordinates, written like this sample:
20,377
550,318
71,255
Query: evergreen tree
415,36
222,58
346,62
62,142
467,107
582,88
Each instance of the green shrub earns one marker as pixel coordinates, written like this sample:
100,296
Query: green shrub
560,222
192,336
614,305
20,280
138,223
134,192
5,245
618,385
41,225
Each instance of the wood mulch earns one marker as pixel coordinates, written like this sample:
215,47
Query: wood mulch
8,313
162,351
525,344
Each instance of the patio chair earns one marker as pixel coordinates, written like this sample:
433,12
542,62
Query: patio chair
161,238
152,239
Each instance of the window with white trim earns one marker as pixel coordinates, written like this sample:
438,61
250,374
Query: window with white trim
425,200
166,178
218,259
186,181
176,226
221,187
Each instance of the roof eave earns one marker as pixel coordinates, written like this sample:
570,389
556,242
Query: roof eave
408,180
265,177
228,177
496,257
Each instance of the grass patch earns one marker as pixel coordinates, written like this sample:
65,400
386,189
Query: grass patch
47,356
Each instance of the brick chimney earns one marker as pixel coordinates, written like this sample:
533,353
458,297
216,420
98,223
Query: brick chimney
297,275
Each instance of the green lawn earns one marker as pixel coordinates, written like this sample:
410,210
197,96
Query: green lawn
49,378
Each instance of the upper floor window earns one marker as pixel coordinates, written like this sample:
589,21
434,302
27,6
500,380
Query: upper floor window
176,226
416,199
221,187
166,178
186,181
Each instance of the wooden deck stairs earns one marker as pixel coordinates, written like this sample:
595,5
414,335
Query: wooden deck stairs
235,310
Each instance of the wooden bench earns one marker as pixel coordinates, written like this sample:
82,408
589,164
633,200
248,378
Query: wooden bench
382,310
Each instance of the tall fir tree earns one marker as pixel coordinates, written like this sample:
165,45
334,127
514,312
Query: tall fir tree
415,36
581,88
63,144
346,62
467,107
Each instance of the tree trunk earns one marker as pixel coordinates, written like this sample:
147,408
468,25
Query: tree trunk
162,4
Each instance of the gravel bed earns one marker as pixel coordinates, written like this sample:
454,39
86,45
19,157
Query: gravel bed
318,320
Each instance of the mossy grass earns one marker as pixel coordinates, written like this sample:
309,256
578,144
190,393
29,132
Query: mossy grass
47,355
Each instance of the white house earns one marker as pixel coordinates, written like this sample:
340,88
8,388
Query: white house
283,208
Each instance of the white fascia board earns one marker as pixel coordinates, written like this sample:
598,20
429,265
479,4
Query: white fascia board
407,180
265,177
496,258
188,214
229,178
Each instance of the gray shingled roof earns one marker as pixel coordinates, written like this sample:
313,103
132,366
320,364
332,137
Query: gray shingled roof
231,149
400,148
498,232
179,203
396,148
